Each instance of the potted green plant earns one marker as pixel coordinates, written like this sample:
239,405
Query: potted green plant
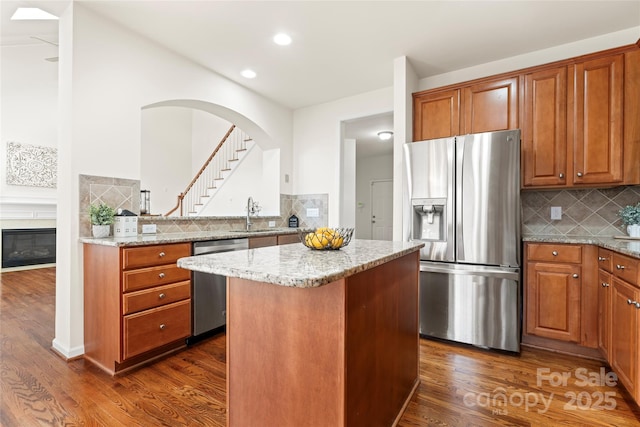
102,216
630,216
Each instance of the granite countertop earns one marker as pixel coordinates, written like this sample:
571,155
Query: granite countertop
295,265
191,236
625,246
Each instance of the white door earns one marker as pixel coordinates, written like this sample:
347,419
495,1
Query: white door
382,210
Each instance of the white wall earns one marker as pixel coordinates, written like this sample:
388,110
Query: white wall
570,50
166,155
256,177
28,111
107,75
317,143
369,169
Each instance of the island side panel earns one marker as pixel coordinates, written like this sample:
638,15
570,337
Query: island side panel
102,306
382,341
285,354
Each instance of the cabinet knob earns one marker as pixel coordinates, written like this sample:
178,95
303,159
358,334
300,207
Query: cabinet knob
162,295
554,253
162,326
575,275
161,254
601,258
161,275
579,174
620,267
561,176
630,301
638,305
605,285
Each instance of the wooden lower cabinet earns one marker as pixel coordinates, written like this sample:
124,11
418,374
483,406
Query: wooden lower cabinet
623,353
137,303
553,301
561,297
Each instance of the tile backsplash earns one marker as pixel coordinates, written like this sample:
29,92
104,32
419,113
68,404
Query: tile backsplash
585,212
125,194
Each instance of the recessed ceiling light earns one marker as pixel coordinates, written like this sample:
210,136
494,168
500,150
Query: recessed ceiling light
249,74
34,13
282,39
385,135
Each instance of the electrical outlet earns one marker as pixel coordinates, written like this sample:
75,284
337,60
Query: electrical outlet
272,223
148,228
313,212
556,212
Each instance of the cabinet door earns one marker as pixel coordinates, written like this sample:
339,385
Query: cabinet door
491,106
553,301
544,131
598,118
623,350
604,321
436,115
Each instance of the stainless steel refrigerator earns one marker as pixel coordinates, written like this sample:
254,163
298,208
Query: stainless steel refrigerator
464,195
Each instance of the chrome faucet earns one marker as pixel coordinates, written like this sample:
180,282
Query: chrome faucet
249,211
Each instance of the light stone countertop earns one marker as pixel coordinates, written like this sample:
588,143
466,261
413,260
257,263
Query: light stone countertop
295,265
191,236
625,246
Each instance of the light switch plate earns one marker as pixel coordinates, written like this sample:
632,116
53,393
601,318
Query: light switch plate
556,212
313,212
148,228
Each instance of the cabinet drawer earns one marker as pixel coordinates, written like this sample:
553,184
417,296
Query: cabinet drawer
554,252
142,278
626,268
153,328
155,297
147,256
605,259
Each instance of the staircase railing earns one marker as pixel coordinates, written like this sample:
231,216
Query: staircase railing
211,172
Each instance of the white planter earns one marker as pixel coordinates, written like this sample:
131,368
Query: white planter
100,231
633,230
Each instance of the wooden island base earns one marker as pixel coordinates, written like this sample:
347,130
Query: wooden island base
342,354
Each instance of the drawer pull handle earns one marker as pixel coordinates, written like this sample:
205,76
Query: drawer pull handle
161,254
605,285
601,258
162,296
162,326
630,301
554,253
575,275
161,275
620,267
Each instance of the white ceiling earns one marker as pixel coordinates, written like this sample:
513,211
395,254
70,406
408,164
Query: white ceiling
343,48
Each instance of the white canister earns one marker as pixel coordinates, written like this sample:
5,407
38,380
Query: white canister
633,230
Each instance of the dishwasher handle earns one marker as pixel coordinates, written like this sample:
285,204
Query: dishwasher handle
217,246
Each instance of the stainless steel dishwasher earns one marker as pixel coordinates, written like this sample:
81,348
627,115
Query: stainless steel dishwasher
209,291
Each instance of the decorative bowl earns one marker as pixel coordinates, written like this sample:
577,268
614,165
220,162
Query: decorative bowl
325,238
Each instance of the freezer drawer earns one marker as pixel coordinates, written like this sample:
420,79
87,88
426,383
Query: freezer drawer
479,305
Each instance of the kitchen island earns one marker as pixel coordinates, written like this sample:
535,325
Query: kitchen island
319,338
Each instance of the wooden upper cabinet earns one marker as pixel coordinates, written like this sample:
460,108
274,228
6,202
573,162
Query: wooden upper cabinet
544,131
436,115
490,105
598,138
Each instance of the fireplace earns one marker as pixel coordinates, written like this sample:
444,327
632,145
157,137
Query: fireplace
28,246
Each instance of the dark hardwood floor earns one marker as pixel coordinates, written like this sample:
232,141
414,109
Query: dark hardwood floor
460,385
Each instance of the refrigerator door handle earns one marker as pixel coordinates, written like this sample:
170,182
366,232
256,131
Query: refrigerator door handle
499,272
